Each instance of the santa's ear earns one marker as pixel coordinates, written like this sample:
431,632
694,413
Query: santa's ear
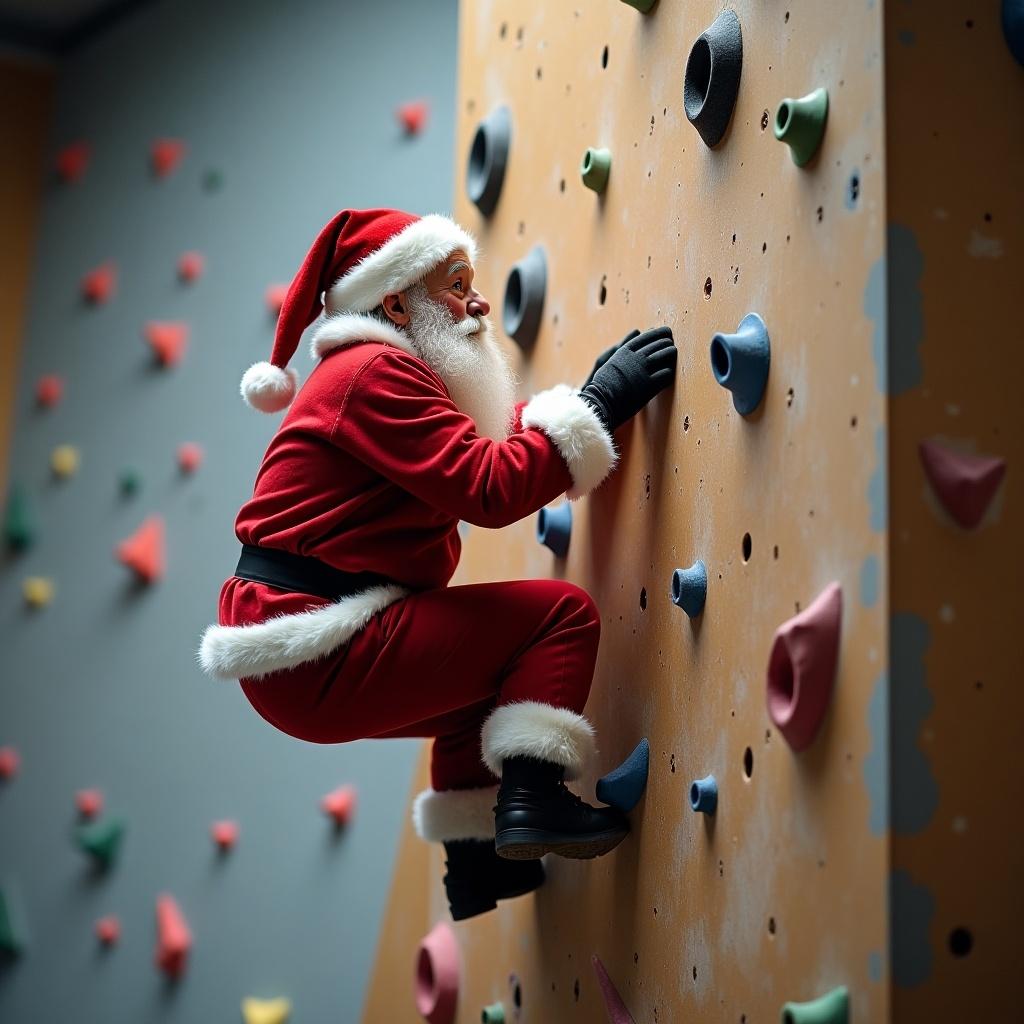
396,308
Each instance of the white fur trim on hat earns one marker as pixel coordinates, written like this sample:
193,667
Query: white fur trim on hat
529,728
335,330
441,815
403,260
268,388
576,429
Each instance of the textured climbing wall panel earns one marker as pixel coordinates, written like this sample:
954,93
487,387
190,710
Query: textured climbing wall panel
954,113
782,894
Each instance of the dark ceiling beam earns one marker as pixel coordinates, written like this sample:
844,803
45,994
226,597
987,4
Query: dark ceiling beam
33,34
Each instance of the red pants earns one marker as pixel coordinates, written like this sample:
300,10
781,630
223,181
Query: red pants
436,663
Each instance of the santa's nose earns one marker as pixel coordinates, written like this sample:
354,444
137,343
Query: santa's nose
478,306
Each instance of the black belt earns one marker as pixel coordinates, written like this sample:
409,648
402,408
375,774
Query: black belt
302,574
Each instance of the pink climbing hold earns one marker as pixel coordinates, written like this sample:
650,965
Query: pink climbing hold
108,930
191,266
49,390
167,340
413,116
340,804
225,834
89,802
274,297
190,457
617,1012
802,668
437,975
99,284
72,161
165,155
143,551
174,940
10,761
965,484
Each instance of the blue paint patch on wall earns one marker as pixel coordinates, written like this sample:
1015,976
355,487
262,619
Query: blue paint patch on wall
875,964
874,310
915,793
905,310
878,485
906,37
876,764
869,573
911,908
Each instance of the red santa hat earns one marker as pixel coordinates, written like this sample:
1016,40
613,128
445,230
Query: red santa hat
359,257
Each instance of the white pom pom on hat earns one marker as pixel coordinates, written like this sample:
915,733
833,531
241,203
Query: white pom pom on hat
268,388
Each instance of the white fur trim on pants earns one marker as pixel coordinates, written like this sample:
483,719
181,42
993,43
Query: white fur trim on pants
529,728
441,815
573,425
285,641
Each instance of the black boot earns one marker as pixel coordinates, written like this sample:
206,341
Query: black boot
536,814
477,877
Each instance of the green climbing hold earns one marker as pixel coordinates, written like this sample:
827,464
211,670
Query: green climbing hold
12,929
213,180
493,1014
129,482
596,166
102,840
800,124
18,531
831,1008
643,6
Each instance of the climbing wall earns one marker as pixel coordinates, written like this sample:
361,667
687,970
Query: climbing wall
782,894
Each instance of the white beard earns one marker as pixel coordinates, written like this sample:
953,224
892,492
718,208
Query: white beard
468,359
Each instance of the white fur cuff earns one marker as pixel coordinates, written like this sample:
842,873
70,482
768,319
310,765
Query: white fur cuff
574,426
442,815
529,728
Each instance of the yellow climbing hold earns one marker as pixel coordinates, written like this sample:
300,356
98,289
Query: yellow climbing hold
38,591
64,460
266,1011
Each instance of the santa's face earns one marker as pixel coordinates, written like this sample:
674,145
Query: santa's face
451,284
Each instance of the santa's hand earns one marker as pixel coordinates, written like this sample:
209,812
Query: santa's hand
606,355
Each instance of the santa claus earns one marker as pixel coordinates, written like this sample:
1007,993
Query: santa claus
339,622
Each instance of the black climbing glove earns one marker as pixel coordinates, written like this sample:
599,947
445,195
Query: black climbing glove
605,355
631,376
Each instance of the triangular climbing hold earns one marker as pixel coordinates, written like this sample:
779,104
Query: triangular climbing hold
19,532
143,551
266,1011
64,461
274,297
99,284
413,116
191,266
167,340
72,161
617,1012
165,155
965,484
9,762
101,840
129,482
623,786
340,804
108,930
190,457
225,834
89,802
174,940
38,591
49,391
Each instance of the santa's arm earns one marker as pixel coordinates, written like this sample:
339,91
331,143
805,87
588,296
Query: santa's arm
397,417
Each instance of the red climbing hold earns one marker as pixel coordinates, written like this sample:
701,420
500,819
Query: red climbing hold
49,390
340,804
274,297
9,762
89,802
965,484
72,161
413,116
617,1012
167,340
802,668
165,155
190,457
108,930
174,940
225,834
190,266
143,551
99,284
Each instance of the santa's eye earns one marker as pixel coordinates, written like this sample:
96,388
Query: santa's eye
458,285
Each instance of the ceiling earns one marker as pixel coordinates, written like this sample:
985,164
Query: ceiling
56,26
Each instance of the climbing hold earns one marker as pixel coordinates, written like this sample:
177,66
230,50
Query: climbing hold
524,297
213,180
690,588
340,804
831,1008
89,802
437,975
99,284
108,930
740,362
616,1008
802,668
72,161
38,591
712,78
143,551
191,266
274,297
19,532
596,166
174,940
800,124
622,787
49,391
129,482
704,795
413,116
165,155
64,461
1013,27
101,840
493,1014
9,762
190,457
488,156
225,834
266,1011
167,340
643,6
13,932
554,527
965,484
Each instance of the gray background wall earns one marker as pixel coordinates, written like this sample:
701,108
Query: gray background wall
294,103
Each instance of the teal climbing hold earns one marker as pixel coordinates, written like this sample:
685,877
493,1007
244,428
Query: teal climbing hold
800,124
596,166
13,940
690,588
213,180
623,786
101,840
19,532
554,528
493,1014
831,1008
129,482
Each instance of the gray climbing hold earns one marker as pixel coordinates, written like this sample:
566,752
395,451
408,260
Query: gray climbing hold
554,528
712,79
623,786
524,297
690,588
488,156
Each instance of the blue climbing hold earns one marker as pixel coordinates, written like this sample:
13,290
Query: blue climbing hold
740,362
704,795
623,786
554,526
1013,27
690,588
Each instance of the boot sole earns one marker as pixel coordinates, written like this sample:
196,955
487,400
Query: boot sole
528,843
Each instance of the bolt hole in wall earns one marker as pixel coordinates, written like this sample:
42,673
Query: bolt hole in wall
604,57
748,547
707,288
960,942
748,762
603,294
771,926
643,598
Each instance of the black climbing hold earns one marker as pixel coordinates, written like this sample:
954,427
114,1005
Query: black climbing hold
740,362
488,156
554,527
712,79
524,297
690,588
